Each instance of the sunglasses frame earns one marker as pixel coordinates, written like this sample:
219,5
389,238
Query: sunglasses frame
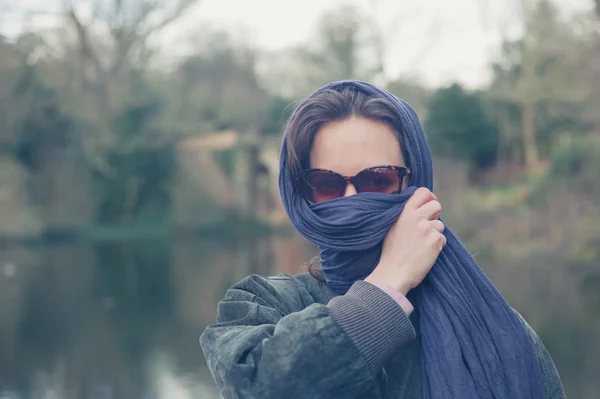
401,171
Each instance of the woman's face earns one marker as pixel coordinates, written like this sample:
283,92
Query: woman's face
354,144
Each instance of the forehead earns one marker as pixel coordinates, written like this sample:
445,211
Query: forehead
353,144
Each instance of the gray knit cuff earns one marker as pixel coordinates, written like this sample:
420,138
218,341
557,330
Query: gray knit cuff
374,321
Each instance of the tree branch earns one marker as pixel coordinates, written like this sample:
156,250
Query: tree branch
181,7
81,30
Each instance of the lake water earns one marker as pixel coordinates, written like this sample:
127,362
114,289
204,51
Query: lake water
122,320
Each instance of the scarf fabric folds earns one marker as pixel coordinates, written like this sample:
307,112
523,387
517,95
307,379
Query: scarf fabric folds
473,343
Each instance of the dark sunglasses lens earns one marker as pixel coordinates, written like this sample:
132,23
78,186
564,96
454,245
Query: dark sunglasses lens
378,180
323,186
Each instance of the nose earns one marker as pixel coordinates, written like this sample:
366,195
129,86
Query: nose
350,190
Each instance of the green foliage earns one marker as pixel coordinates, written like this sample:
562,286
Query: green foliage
141,166
553,121
457,126
280,110
577,160
574,168
40,123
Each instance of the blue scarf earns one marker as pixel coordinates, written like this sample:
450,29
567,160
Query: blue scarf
473,344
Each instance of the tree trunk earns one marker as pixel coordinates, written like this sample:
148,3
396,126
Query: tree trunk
529,142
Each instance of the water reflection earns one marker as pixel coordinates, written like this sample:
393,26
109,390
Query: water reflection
119,320
122,320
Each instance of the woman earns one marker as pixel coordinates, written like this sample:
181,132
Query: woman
399,308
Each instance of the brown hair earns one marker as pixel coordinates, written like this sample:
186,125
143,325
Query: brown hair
328,106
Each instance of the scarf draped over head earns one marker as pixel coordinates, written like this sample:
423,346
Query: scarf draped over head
473,344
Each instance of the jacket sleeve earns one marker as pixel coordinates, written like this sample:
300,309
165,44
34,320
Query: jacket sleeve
269,347
552,384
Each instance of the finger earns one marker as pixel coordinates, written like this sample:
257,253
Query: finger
438,225
431,210
420,197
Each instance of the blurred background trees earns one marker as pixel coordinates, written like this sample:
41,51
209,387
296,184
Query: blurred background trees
90,94
102,130
458,127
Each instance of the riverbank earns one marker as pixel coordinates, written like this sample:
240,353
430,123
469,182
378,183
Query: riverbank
233,228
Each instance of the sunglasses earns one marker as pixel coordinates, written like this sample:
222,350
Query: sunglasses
318,185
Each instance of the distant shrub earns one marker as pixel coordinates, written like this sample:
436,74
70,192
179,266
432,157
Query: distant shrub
574,167
578,159
457,126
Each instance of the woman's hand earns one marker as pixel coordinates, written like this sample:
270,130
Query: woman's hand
412,245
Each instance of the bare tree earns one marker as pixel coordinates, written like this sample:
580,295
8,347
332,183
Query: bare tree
106,50
540,71
111,48
129,24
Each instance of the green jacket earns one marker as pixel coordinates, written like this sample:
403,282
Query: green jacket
293,337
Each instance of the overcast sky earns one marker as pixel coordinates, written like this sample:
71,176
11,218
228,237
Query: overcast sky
437,41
